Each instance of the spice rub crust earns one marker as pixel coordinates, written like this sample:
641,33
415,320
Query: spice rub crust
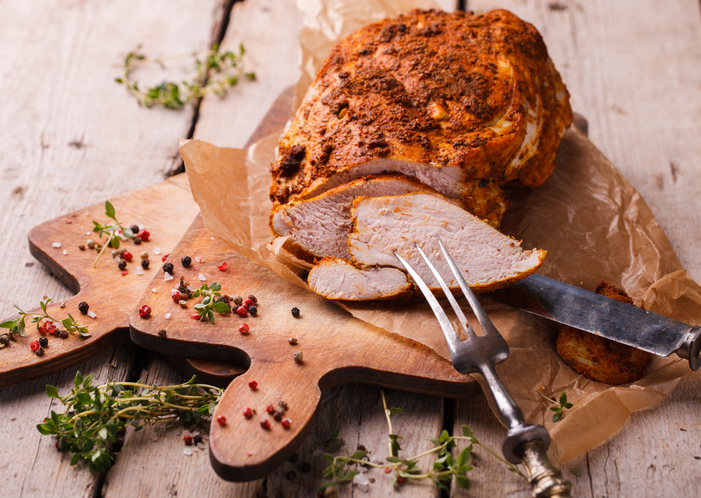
477,92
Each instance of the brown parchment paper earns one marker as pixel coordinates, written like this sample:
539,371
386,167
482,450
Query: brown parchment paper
593,223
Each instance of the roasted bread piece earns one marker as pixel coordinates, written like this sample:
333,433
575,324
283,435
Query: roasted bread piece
599,358
317,228
462,103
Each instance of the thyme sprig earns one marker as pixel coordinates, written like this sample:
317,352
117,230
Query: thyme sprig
444,467
112,230
215,72
18,326
209,304
559,406
95,415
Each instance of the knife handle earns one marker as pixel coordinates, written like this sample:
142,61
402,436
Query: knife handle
691,347
546,479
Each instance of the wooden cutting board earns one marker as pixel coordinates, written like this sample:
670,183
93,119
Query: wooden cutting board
166,210
336,349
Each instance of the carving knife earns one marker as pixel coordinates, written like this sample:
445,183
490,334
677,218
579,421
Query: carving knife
603,316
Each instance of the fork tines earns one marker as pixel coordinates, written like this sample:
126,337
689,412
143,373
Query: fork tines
448,331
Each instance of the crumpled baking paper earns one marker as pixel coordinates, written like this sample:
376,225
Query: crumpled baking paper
593,223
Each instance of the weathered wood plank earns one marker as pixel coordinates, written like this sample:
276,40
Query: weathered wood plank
637,83
73,137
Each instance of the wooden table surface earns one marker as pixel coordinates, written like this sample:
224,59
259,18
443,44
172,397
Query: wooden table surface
71,137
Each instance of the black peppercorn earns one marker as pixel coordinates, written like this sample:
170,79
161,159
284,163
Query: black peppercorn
135,229
43,342
122,265
290,475
144,264
186,261
197,439
63,334
292,341
83,307
40,352
162,333
137,241
168,267
295,312
253,298
253,310
305,467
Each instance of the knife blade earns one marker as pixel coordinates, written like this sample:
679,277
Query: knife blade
603,316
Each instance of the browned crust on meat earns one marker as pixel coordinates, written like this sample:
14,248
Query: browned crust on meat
599,358
382,91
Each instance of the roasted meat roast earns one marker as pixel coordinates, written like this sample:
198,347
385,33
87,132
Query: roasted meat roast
450,104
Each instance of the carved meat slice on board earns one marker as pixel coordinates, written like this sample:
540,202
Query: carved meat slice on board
339,279
463,103
488,258
317,228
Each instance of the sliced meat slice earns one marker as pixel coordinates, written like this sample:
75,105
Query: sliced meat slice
318,227
488,259
339,279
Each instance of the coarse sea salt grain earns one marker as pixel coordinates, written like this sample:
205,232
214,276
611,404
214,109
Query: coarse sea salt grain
92,314
167,276
168,316
201,277
362,482
199,260
56,244
65,252
188,451
157,250
117,259
154,290
87,234
139,270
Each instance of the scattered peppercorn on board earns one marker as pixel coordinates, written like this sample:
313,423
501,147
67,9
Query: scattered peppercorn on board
290,360
166,211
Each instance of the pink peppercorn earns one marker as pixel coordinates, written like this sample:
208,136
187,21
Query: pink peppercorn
253,385
248,413
165,257
248,303
176,296
270,409
265,424
34,345
222,266
221,419
241,311
145,311
144,235
127,256
285,422
188,440
244,328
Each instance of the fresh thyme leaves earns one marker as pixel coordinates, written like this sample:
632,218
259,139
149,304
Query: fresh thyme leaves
577,472
95,415
214,73
562,405
209,305
113,239
18,327
445,466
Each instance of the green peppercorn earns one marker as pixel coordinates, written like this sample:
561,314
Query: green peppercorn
90,243
143,255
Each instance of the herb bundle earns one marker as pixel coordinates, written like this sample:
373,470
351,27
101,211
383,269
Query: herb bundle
18,326
444,467
214,73
95,415
209,304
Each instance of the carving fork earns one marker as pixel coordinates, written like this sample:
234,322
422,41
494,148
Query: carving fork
524,443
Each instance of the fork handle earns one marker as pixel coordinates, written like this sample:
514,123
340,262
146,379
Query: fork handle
546,479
